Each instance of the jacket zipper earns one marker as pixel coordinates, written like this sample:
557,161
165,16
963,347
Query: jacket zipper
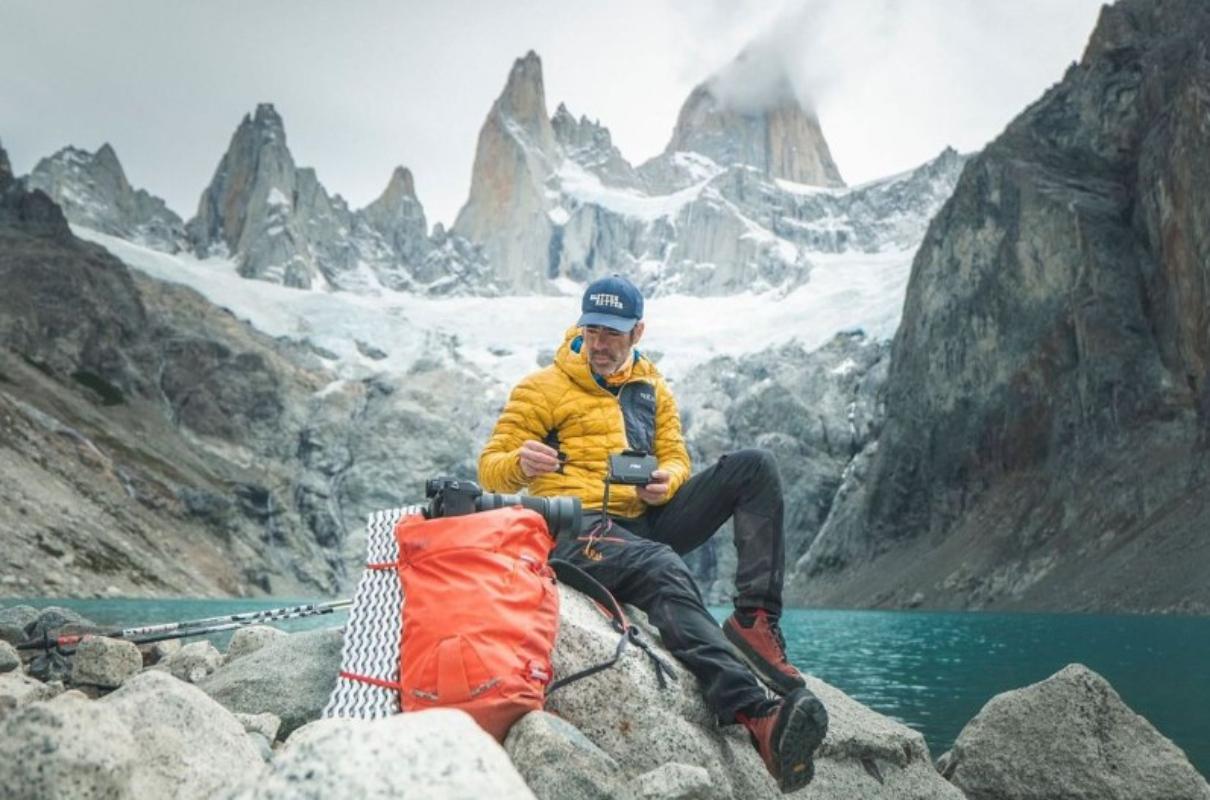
622,414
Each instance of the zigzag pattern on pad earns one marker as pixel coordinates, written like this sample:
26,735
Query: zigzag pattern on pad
371,643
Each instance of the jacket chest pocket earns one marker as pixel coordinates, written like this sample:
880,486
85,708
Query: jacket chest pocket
638,412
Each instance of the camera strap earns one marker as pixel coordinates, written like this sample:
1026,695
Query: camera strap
572,576
605,503
602,527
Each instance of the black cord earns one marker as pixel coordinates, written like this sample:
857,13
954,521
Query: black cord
605,505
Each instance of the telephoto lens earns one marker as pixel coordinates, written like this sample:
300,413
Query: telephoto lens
562,514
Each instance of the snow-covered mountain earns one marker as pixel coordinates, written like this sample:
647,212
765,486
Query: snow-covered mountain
745,114
282,226
745,197
742,199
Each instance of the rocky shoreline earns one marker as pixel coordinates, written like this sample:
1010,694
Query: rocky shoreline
118,720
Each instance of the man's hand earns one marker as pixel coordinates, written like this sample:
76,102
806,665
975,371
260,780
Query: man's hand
537,458
655,492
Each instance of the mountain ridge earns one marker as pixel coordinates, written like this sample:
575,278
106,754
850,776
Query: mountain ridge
1047,406
551,199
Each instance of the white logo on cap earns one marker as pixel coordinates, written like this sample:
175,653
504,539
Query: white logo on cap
609,300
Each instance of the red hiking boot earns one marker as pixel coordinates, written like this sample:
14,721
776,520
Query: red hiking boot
787,735
758,638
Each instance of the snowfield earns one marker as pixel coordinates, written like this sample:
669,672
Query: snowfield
504,335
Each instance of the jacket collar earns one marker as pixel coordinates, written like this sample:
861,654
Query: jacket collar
571,359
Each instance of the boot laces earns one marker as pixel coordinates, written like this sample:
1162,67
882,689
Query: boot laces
775,629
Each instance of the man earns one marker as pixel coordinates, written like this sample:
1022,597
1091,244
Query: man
554,436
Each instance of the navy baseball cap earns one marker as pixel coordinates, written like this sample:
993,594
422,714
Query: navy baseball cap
611,302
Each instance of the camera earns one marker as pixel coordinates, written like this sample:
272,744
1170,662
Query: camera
632,468
451,497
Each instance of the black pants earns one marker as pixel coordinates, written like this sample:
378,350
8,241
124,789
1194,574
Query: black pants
639,561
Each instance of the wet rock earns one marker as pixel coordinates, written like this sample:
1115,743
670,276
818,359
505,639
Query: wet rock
193,662
1070,736
291,677
558,761
440,753
10,659
107,663
250,639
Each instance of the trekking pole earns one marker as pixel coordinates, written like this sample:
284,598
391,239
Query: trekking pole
194,627
288,613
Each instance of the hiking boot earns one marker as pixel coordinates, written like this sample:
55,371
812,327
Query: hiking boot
787,735
758,638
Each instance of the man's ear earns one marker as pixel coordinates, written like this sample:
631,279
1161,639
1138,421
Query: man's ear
636,333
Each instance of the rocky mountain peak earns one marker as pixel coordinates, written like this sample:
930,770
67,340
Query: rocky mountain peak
753,83
279,224
562,116
524,97
1133,23
589,144
751,114
260,137
398,216
401,186
516,153
255,181
93,192
571,132
268,122
107,158
28,208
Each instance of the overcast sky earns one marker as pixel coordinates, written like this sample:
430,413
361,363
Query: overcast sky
363,85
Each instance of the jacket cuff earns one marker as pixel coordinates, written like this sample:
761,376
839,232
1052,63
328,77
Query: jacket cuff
517,476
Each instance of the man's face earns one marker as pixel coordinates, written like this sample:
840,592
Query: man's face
609,349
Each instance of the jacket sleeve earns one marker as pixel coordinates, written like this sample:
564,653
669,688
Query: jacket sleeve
669,442
525,416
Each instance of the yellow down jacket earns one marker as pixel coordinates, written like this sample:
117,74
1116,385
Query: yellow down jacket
564,407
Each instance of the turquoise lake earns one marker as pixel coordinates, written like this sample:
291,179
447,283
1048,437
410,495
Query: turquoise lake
931,671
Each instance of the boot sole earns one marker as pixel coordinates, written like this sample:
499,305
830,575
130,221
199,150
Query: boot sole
799,731
780,683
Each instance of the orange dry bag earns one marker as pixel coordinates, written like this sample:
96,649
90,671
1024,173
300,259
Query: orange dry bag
480,614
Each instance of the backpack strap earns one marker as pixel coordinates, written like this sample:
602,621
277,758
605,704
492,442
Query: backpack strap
571,575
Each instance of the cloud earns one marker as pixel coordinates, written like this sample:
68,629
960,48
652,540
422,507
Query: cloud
891,82
382,83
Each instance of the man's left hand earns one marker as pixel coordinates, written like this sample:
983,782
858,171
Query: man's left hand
655,492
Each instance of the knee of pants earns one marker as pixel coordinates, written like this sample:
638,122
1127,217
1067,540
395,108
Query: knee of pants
757,459
672,578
